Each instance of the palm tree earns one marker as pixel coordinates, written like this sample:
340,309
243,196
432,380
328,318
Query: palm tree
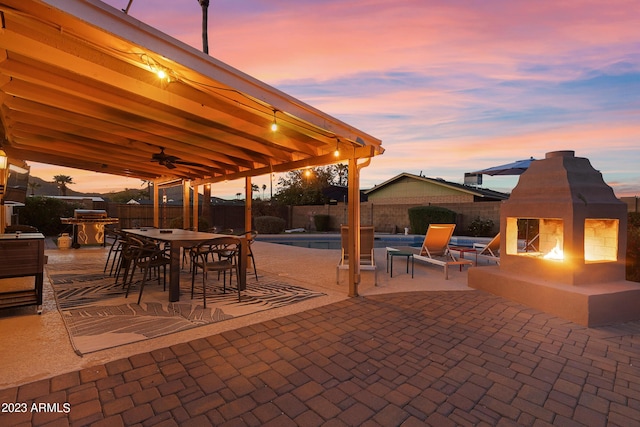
62,181
264,187
32,186
205,35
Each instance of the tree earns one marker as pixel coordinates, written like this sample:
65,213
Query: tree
342,174
32,186
147,193
264,187
305,188
254,188
63,181
205,33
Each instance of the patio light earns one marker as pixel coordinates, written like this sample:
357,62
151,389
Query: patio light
337,152
274,125
3,159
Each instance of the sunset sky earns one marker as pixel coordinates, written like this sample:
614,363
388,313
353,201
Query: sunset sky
448,86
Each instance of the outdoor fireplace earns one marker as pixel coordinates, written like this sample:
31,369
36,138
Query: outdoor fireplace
563,244
563,223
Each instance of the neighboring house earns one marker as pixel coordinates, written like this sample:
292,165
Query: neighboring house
407,188
387,204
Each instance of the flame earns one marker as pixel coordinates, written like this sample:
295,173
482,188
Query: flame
555,253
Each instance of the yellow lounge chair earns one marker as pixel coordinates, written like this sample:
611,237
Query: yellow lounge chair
435,248
491,250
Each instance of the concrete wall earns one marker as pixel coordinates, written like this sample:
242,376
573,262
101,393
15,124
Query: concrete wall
394,217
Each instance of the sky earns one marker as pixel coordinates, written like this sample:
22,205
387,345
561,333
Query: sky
449,86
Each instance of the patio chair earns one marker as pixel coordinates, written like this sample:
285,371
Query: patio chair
221,255
115,251
146,257
366,258
436,241
435,248
491,250
251,237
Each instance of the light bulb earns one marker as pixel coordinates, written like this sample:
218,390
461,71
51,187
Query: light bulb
274,126
161,74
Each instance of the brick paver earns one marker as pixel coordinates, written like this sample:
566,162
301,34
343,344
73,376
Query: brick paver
437,358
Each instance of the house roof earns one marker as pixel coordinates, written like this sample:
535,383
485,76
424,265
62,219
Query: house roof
475,191
80,89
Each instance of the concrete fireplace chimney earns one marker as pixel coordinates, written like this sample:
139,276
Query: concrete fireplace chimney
563,245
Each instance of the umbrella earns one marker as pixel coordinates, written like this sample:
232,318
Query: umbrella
515,168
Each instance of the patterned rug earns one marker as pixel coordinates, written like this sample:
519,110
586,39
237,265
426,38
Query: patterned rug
98,316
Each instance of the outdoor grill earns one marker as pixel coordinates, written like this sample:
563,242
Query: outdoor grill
563,243
88,226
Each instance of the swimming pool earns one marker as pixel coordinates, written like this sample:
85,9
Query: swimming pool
332,241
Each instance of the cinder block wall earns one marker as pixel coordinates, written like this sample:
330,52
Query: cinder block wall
394,217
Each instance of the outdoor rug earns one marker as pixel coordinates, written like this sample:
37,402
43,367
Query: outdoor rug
98,316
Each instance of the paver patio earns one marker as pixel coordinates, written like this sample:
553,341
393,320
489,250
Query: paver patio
407,358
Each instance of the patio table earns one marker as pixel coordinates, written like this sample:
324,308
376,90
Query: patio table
178,239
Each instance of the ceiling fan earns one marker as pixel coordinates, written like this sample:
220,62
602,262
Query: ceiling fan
169,161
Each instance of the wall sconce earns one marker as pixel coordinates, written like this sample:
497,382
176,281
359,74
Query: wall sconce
4,160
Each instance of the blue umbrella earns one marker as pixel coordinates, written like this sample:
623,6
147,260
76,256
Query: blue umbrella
515,168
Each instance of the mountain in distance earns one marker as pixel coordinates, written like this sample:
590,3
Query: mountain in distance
50,188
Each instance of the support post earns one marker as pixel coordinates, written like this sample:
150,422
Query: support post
247,203
156,205
186,205
353,220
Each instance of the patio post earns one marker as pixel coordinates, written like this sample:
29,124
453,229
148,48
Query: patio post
156,205
353,219
186,204
247,204
4,167
196,197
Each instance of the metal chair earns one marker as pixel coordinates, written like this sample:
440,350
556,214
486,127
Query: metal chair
115,249
146,257
221,255
251,237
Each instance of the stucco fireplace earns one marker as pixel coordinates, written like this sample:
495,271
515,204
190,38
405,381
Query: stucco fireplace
563,245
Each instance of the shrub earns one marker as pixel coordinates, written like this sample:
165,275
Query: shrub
481,227
269,224
321,222
633,247
421,216
44,213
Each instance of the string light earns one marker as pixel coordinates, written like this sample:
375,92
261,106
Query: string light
274,125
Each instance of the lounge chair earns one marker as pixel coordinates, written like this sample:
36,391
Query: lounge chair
367,260
435,248
491,250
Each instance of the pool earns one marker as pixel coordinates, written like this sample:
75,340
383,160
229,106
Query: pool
332,241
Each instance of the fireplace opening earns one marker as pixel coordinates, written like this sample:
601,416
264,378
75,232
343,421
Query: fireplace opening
544,238
536,237
601,240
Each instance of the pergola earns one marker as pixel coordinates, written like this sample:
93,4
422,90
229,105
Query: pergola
86,86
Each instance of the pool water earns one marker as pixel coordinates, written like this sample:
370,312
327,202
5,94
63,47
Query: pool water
332,241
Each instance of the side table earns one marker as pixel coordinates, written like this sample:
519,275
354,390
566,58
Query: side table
391,254
462,250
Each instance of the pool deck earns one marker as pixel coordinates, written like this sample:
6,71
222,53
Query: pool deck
420,351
